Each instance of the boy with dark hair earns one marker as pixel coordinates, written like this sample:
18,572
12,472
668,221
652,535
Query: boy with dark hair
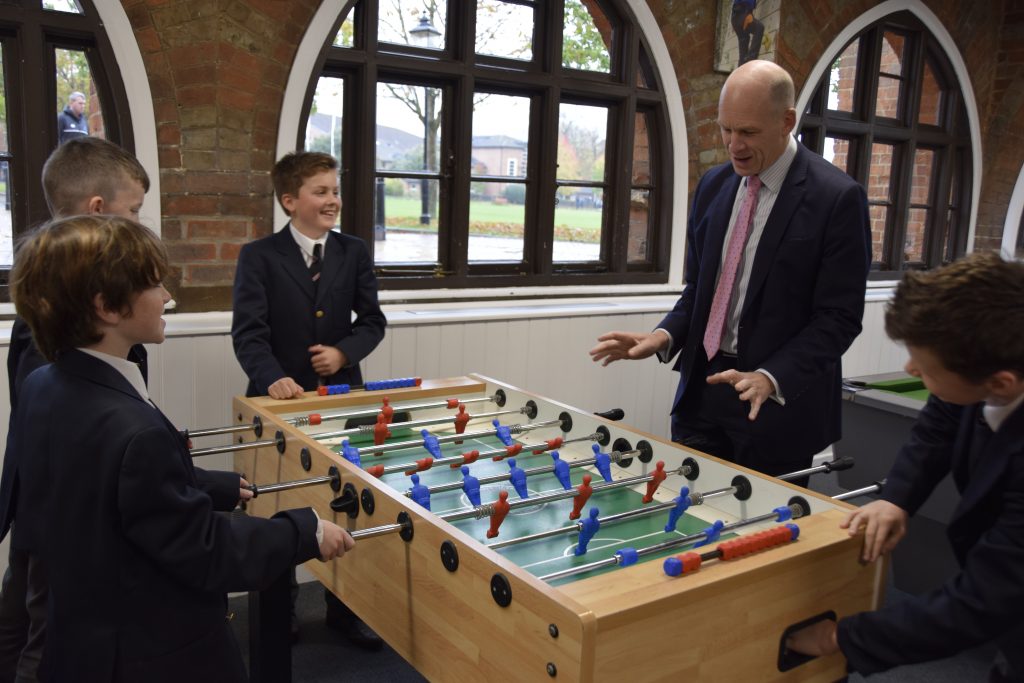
294,296
154,558
964,330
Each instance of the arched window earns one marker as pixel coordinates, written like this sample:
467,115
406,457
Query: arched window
63,40
890,113
497,143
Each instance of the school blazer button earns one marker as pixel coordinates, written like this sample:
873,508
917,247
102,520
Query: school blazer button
319,314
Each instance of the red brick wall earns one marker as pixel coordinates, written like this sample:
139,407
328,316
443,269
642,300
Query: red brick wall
218,70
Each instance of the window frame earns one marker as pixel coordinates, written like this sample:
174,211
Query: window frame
32,33
458,71
950,189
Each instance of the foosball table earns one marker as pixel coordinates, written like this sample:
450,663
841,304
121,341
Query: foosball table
501,535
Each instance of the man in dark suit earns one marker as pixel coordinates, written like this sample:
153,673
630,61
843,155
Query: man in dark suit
137,561
962,327
294,296
778,251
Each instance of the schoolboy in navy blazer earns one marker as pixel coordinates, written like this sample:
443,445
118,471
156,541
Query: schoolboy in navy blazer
279,312
962,326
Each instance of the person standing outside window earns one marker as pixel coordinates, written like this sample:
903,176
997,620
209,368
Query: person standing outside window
71,123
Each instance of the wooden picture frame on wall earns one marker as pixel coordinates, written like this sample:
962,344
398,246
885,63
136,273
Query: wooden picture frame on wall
745,30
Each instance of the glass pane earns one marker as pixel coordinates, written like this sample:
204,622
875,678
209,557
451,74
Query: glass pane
578,219
641,152
584,45
879,218
412,22
4,144
842,78
639,248
891,59
913,244
6,225
323,128
501,125
880,173
504,29
644,71
581,142
78,104
921,182
62,6
497,216
837,151
405,220
888,100
930,111
408,126
346,33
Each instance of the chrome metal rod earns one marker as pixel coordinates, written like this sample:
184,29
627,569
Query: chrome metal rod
367,412
198,452
368,429
259,489
856,493
382,530
213,431
514,429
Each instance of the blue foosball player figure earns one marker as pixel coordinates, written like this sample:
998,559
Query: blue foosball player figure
517,475
420,493
470,486
561,471
588,527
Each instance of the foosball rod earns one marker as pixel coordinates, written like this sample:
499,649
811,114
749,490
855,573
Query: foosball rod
456,460
696,498
615,456
318,418
426,422
856,493
824,468
795,512
485,510
398,445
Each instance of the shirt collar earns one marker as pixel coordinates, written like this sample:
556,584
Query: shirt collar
773,176
306,244
996,415
128,369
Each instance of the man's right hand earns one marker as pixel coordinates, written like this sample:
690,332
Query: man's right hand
285,388
336,541
615,346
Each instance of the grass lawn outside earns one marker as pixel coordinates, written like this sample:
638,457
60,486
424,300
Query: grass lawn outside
488,218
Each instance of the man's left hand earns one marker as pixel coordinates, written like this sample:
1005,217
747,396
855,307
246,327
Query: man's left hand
327,360
754,387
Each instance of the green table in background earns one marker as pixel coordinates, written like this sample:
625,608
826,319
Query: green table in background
878,413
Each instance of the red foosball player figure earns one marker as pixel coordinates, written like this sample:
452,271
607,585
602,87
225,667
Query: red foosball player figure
501,508
658,476
380,430
460,421
386,410
585,489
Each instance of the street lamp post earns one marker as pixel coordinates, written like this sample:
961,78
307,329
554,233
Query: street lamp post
426,35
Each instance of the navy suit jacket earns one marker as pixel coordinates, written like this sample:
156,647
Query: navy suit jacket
804,301
279,312
985,601
138,562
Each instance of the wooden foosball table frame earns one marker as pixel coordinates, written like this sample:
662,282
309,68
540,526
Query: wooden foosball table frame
722,623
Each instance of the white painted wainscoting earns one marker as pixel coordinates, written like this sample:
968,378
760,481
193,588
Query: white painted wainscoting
539,346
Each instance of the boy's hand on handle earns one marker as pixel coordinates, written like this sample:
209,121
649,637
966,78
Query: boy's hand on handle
327,360
817,640
336,541
285,388
615,346
244,492
884,524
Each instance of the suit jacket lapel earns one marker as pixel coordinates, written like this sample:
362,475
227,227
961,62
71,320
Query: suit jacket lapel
1002,445
334,260
294,264
791,194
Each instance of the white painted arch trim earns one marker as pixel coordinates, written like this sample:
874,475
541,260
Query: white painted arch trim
318,32
140,101
932,23
1014,212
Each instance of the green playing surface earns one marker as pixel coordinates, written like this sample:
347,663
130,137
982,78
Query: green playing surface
911,387
544,556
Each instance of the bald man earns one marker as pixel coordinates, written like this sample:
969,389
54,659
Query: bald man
778,252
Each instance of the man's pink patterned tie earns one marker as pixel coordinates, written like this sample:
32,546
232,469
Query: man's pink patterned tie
737,241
